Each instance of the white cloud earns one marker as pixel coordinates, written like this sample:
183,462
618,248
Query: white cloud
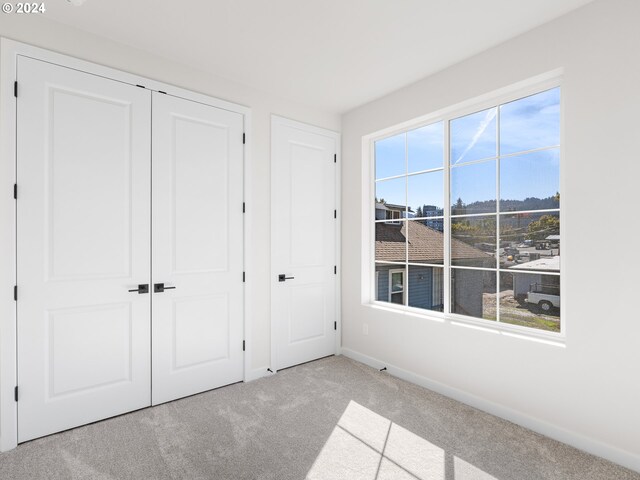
488,118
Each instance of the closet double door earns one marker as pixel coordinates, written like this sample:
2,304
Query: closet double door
129,248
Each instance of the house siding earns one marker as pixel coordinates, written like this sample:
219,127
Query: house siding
522,281
467,288
420,289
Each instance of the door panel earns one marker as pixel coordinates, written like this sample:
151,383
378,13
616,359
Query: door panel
200,193
308,302
197,247
201,330
83,241
308,202
105,331
79,165
303,243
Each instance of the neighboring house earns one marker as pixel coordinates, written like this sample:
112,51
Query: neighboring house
537,280
381,211
389,211
554,242
423,284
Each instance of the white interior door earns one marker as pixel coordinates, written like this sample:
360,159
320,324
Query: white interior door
83,217
303,242
197,247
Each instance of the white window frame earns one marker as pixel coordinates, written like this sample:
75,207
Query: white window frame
404,277
516,91
392,220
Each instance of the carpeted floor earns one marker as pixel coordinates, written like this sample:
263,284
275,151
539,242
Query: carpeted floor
276,427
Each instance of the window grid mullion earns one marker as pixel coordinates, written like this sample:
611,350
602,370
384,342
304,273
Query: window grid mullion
405,279
497,253
372,231
446,277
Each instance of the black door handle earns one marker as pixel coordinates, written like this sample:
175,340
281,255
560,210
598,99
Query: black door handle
283,277
142,288
159,288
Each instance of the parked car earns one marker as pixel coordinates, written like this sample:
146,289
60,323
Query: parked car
545,297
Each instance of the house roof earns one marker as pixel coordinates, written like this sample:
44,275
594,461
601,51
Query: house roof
391,206
550,264
426,244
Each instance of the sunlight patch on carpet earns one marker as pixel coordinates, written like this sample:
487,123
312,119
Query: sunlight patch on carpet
368,446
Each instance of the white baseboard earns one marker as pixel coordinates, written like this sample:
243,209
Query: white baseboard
587,444
257,373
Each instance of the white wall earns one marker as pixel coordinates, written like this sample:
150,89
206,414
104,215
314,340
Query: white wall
588,392
43,33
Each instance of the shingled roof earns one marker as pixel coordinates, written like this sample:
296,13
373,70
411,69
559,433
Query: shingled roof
426,244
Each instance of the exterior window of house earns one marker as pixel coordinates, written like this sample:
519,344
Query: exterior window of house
474,200
396,286
393,215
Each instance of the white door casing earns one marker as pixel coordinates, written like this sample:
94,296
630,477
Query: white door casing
303,242
83,227
197,247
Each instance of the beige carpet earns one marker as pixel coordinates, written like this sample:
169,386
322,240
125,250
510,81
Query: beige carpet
333,418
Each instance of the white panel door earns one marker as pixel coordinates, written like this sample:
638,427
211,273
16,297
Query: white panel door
303,243
83,213
197,247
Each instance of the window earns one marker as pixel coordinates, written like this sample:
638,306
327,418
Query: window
474,201
396,286
393,215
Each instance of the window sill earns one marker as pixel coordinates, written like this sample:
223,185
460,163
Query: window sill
487,326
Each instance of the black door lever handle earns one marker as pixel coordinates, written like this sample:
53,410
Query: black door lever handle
142,288
159,288
283,277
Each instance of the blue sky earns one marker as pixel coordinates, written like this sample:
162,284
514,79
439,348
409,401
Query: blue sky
526,124
425,150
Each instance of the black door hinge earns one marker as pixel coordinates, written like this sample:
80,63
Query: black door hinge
335,269
243,345
15,191
335,158
244,138
244,276
15,293
15,394
244,207
335,325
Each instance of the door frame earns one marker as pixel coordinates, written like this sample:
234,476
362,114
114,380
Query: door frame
283,121
10,50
